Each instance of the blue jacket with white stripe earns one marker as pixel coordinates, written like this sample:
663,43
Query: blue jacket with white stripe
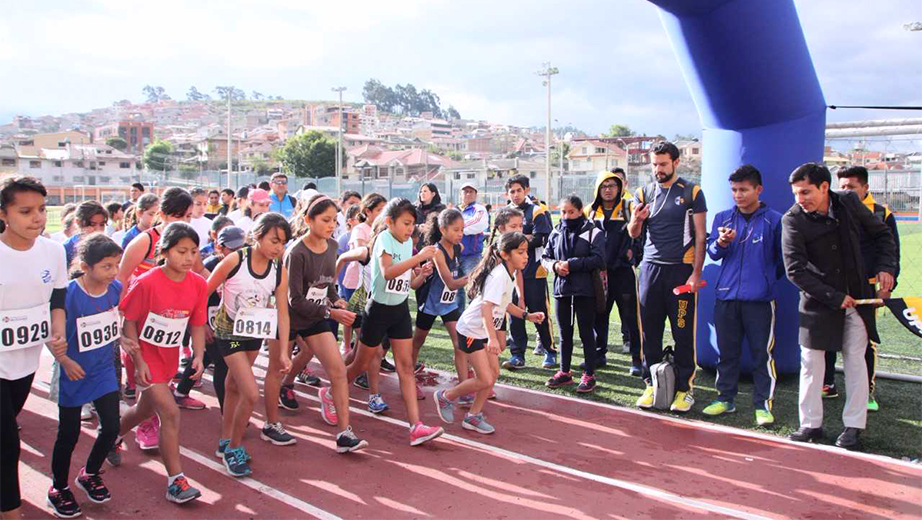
752,264
583,250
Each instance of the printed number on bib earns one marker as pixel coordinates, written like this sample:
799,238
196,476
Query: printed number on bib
399,286
448,296
257,323
212,314
97,330
499,315
25,328
317,295
164,332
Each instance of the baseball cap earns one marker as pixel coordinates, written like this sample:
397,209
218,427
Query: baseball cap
468,185
232,237
258,195
307,195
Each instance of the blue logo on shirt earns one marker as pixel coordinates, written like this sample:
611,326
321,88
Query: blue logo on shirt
46,276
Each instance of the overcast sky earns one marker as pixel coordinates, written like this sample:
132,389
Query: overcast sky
480,56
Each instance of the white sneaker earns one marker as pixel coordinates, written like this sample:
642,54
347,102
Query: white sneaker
86,412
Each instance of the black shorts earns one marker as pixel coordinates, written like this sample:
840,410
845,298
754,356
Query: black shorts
470,345
391,320
359,317
425,321
318,328
227,347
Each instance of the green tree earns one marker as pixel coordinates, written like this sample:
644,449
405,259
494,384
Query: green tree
195,95
619,131
118,143
260,166
256,96
310,154
158,156
235,93
555,153
453,112
188,172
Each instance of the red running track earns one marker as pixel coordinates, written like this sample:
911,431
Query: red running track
551,457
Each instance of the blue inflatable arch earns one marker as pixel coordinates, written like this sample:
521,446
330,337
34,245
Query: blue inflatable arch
749,71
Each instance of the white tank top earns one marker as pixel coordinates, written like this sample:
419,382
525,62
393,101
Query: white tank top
245,288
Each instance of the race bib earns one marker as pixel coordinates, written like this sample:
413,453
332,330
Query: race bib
499,315
448,296
317,295
97,330
399,286
164,332
24,328
212,314
255,322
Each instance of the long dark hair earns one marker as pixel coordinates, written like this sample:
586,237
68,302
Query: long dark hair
266,223
91,250
506,243
436,198
311,209
13,185
369,203
175,202
175,232
503,218
432,232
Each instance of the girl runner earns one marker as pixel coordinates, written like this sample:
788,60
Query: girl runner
33,283
145,210
482,327
250,279
92,331
158,307
439,294
574,249
371,207
387,311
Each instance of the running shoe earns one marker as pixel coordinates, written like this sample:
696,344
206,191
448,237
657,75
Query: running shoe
114,457
719,407
830,392
62,503
421,433
305,377
327,409
276,434
873,406
635,371
477,423
180,492
86,412
514,363
184,401
287,397
466,400
235,462
559,379
147,434
764,417
444,407
347,442
420,396
646,399
387,366
550,360
222,445
539,350
683,402
361,381
93,486
376,404
586,384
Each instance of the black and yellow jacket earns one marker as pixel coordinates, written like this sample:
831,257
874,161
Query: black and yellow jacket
617,241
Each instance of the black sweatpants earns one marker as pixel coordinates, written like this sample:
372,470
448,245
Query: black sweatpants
870,358
657,303
13,395
583,307
622,288
535,301
220,373
69,432
754,321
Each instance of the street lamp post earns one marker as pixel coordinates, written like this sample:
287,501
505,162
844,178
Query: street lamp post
339,142
547,72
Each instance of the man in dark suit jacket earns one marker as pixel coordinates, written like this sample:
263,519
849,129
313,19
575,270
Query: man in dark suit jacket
822,257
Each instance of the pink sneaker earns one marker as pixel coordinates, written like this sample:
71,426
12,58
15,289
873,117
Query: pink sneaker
147,435
419,393
184,401
327,409
421,433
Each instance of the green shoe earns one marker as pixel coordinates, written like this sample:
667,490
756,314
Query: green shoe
718,408
764,417
872,404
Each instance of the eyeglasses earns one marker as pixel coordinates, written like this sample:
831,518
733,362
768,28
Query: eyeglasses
280,181
608,186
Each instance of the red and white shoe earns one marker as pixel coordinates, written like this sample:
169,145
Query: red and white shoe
327,409
147,434
421,433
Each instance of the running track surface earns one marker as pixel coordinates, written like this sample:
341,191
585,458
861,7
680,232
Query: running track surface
550,457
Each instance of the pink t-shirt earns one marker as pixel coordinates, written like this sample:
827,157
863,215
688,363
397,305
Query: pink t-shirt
354,269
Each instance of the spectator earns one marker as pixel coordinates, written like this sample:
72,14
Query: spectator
227,200
746,240
476,223
856,180
821,243
429,201
214,204
672,214
135,192
280,201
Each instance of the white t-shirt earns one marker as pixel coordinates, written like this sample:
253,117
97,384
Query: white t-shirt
245,223
340,226
235,215
59,237
497,290
202,226
26,281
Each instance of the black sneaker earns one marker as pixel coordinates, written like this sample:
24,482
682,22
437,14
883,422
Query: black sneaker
346,442
276,434
559,379
62,503
93,486
361,381
830,392
305,377
586,384
386,366
287,397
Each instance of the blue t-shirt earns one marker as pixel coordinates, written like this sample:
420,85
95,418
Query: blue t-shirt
670,227
396,290
129,236
342,247
70,248
283,206
97,363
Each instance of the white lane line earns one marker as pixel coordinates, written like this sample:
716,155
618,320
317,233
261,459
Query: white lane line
629,486
256,485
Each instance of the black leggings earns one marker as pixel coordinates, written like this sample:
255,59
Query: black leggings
220,373
69,433
584,309
13,395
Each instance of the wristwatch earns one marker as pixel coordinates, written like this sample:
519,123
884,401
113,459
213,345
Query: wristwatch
326,313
